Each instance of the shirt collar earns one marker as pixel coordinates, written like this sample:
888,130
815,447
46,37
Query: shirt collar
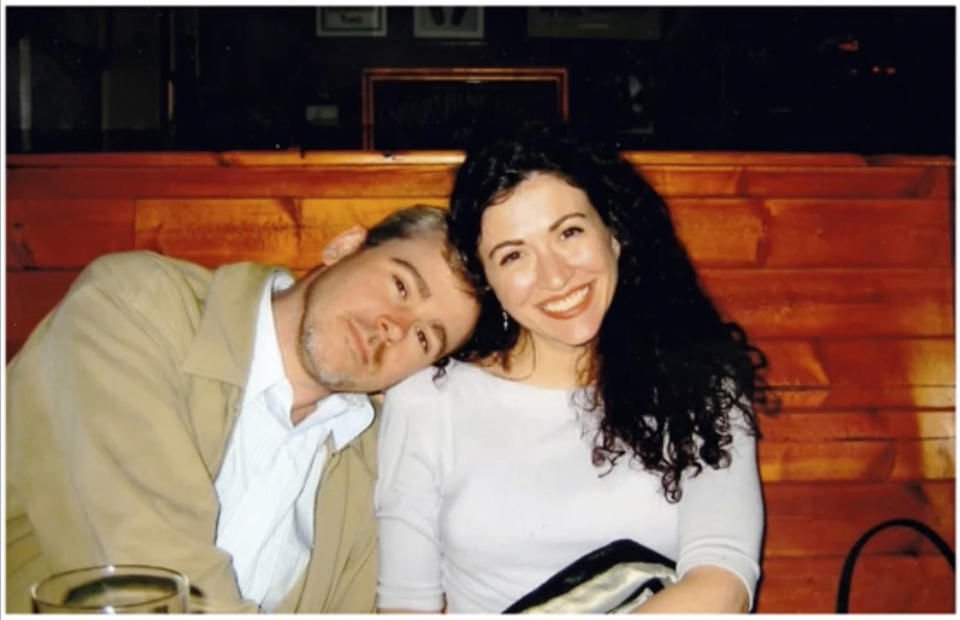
266,367
346,414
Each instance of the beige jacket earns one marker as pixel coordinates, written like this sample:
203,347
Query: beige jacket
119,408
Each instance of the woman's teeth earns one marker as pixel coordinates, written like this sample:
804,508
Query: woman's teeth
567,302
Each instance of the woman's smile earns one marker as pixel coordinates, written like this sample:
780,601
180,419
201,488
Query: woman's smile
569,305
551,260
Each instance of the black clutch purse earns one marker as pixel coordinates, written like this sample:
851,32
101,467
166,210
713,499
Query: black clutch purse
615,578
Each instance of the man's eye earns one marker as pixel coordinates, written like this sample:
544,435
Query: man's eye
509,257
422,337
401,287
571,232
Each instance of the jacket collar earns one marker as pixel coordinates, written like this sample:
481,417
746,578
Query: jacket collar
223,345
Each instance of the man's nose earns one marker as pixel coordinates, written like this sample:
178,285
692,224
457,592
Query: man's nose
392,328
552,271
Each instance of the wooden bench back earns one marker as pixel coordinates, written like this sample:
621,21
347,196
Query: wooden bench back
839,266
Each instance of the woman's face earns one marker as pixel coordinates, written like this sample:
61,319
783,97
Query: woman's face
550,259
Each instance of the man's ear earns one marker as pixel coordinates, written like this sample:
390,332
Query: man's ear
344,244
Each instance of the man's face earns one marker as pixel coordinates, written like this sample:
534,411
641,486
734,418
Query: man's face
382,313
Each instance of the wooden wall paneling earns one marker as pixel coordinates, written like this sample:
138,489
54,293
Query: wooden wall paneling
853,182
908,361
827,425
727,232
835,302
914,459
839,266
432,180
715,181
449,158
900,159
232,182
792,364
217,231
290,232
862,232
57,232
759,158
900,373
881,583
845,396
30,296
296,157
293,157
826,518
798,181
925,459
127,159
720,231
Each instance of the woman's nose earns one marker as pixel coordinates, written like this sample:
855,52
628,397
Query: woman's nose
552,271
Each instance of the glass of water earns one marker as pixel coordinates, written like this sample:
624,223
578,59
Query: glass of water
112,589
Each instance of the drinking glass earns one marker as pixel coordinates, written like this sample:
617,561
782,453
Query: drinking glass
112,589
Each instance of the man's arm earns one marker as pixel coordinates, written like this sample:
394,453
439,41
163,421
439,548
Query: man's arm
99,444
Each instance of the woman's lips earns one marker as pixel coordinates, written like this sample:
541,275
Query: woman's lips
569,305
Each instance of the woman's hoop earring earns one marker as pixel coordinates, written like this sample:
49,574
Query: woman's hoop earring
506,321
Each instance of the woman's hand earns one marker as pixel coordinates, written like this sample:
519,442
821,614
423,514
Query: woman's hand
703,589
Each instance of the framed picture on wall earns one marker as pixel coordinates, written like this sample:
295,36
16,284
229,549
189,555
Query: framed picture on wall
346,21
445,107
604,22
448,22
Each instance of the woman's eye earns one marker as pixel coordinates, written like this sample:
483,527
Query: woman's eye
509,257
401,287
422,337
571,232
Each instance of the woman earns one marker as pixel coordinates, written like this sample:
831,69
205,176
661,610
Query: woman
601,397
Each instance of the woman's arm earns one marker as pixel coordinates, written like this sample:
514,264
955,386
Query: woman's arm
721,530
407,499
704,589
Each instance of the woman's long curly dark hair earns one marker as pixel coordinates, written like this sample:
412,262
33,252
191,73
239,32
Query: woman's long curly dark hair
668,372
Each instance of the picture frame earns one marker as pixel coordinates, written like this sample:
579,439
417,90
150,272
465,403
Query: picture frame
350,21
448,22
432,107
601,22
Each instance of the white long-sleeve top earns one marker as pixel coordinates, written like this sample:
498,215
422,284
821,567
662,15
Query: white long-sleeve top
486,489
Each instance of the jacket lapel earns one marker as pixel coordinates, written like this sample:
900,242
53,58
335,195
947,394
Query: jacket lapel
219,357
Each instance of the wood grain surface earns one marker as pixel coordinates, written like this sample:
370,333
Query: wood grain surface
839,266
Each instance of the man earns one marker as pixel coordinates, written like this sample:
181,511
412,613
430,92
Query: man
216,422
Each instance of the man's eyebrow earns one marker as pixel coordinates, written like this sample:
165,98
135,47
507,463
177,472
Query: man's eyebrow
441,332
415,274
517,242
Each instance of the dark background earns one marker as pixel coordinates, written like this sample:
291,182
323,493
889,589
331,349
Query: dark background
863,80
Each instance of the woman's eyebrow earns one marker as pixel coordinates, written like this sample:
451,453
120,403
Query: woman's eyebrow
507,243
566,217
553,227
